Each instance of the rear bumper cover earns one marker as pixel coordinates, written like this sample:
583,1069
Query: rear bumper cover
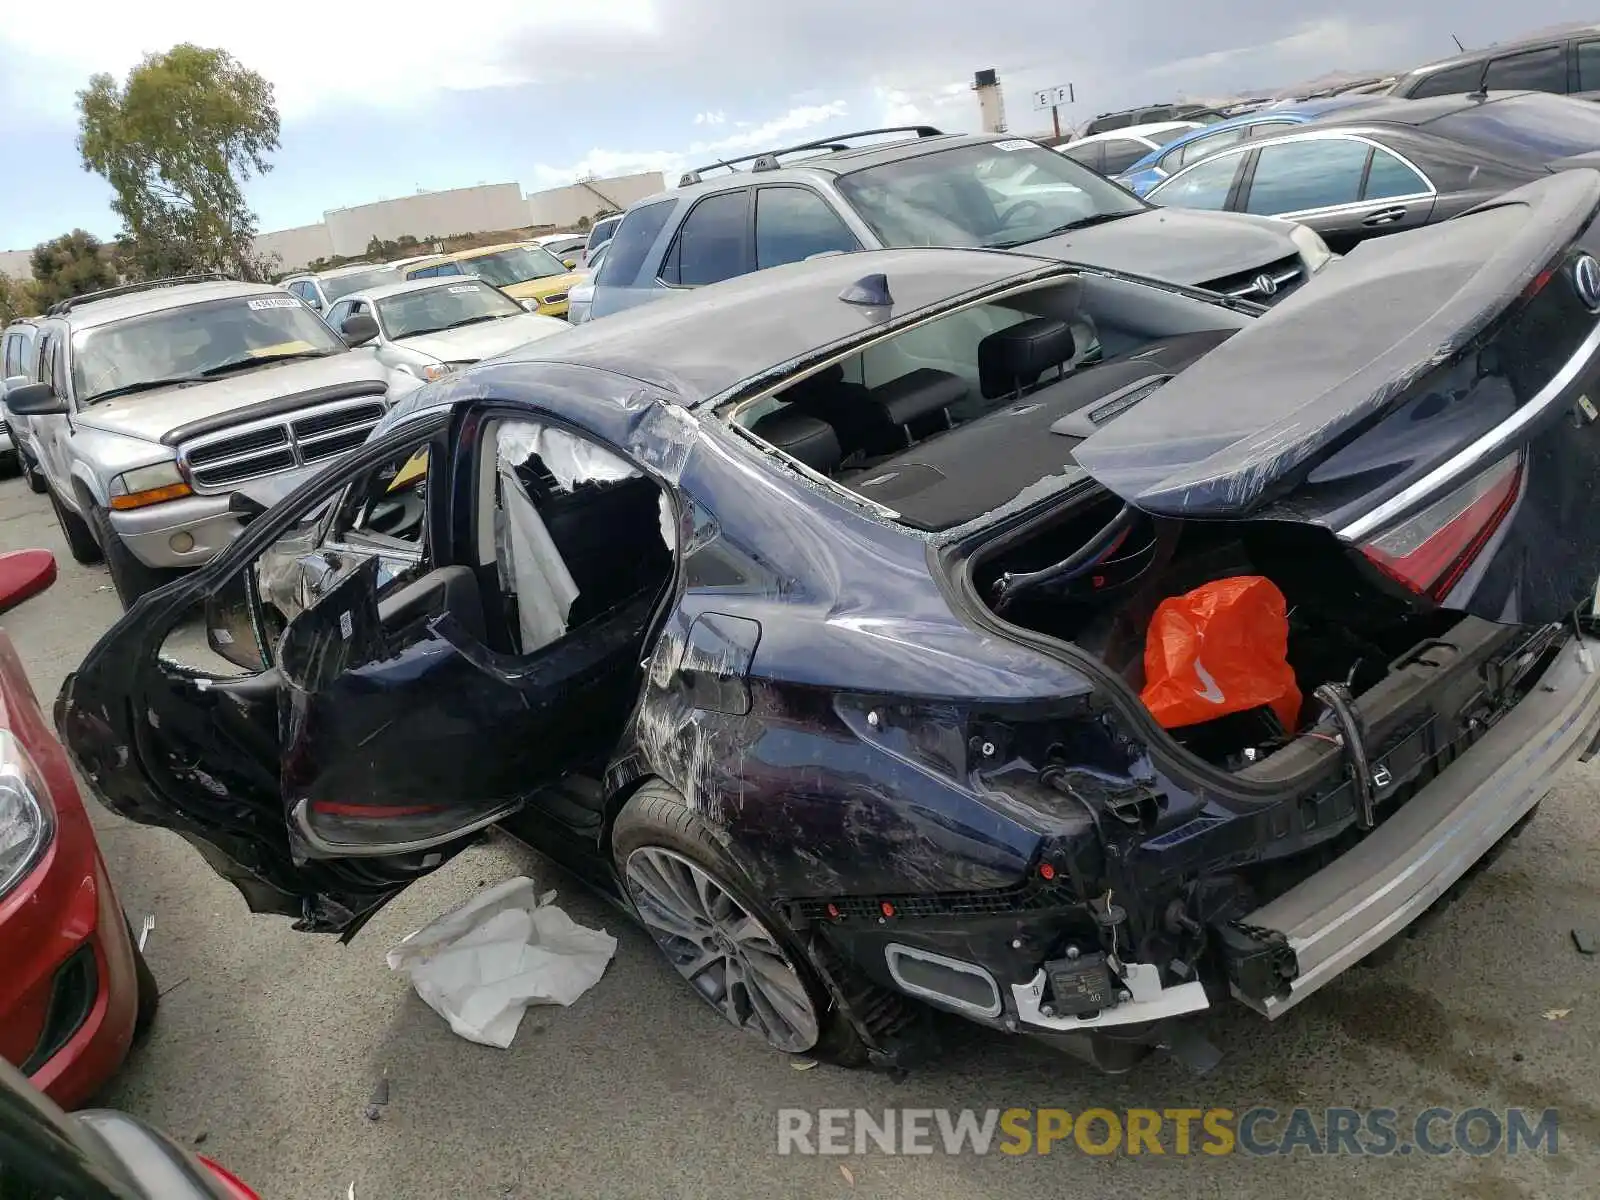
1354,905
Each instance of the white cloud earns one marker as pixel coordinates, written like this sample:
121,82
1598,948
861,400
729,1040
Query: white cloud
711,118
751,137
317,54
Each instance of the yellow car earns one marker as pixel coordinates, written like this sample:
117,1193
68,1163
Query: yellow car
522,270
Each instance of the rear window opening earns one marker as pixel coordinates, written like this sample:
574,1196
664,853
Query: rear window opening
1403,667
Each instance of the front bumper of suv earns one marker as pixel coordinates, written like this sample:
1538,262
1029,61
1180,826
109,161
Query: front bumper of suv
178,533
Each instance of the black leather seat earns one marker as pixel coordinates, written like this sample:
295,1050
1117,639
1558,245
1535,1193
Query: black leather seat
801,436
909,408
1012,360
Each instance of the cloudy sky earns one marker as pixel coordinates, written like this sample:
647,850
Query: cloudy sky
381,100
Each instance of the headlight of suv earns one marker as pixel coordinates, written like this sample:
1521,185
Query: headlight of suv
148,485
431,371
1311,246
26,819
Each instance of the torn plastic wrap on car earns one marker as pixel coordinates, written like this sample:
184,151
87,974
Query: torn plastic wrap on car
531,567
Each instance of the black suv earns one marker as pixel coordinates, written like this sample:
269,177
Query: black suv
1565,61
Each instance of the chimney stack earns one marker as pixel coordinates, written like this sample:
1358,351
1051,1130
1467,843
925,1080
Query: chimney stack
991,101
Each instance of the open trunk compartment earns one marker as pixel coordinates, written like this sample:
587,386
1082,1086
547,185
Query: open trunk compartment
1417,680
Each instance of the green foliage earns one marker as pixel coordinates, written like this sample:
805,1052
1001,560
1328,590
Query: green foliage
176,143
18,298
70,265
583,224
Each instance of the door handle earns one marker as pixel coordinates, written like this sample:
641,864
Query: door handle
1387,216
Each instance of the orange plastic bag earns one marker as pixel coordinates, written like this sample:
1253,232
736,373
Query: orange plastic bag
1222,648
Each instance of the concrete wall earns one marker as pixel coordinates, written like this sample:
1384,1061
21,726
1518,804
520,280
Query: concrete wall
564,205
294,248
459,210
16,263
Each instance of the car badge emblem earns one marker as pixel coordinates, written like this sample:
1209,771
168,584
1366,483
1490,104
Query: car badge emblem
1266,285
1586,281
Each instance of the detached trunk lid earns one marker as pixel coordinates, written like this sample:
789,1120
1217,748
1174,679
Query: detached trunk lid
1391,382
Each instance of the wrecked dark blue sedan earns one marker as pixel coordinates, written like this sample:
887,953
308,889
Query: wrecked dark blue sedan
808,616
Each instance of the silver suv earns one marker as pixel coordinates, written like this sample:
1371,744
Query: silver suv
158,408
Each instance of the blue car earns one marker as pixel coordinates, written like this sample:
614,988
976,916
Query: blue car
1158,164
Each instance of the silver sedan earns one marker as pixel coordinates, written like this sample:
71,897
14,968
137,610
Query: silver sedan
432,327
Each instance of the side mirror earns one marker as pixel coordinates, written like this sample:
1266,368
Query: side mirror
530,305
35,400
359,329
570,264
23,574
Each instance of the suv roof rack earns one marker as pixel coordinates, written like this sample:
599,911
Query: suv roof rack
61,307
767,160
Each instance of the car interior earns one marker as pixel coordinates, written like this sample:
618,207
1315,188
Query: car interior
950,419
571,552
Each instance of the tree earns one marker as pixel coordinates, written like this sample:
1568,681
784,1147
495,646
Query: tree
70,265
17,299
177,142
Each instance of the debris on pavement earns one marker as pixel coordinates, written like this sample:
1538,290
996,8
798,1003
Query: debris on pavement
849,1176
482,965
802,1064
1555,1014
145,929
1584,940
380,1099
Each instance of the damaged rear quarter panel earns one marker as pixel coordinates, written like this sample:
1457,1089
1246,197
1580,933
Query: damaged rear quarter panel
849,616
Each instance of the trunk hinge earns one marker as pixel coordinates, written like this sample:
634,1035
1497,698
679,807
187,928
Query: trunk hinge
1366,781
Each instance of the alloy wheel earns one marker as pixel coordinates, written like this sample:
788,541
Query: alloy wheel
732,959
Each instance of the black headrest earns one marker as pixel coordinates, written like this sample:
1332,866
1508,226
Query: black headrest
1014,358
801,436
918,394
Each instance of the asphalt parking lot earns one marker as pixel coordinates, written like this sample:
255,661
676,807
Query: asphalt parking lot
270,1043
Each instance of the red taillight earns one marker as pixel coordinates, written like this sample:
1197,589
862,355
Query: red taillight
1431,551
375,812
232,1186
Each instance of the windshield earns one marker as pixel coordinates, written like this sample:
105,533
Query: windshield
335,286
195,342
1546,127
436,308
517,265
996,194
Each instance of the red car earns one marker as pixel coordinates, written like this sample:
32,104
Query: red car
75,988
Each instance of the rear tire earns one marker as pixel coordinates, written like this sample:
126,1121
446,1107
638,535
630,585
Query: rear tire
129,576
658,842
80,539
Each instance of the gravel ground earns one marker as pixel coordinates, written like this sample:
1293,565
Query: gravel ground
270,1043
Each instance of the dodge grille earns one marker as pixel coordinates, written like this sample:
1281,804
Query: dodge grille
217,461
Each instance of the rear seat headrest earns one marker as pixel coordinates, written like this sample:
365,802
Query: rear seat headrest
921,393
1014,358
802,437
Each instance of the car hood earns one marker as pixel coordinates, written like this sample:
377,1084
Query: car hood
1174,244
538,289
470,343
150,415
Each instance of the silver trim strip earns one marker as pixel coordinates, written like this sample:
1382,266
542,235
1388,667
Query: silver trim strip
894,951
1497,441
329,849
1371,892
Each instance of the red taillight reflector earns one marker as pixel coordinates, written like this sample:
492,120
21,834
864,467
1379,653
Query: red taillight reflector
236,1188
1536,285
1430,552
333,808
